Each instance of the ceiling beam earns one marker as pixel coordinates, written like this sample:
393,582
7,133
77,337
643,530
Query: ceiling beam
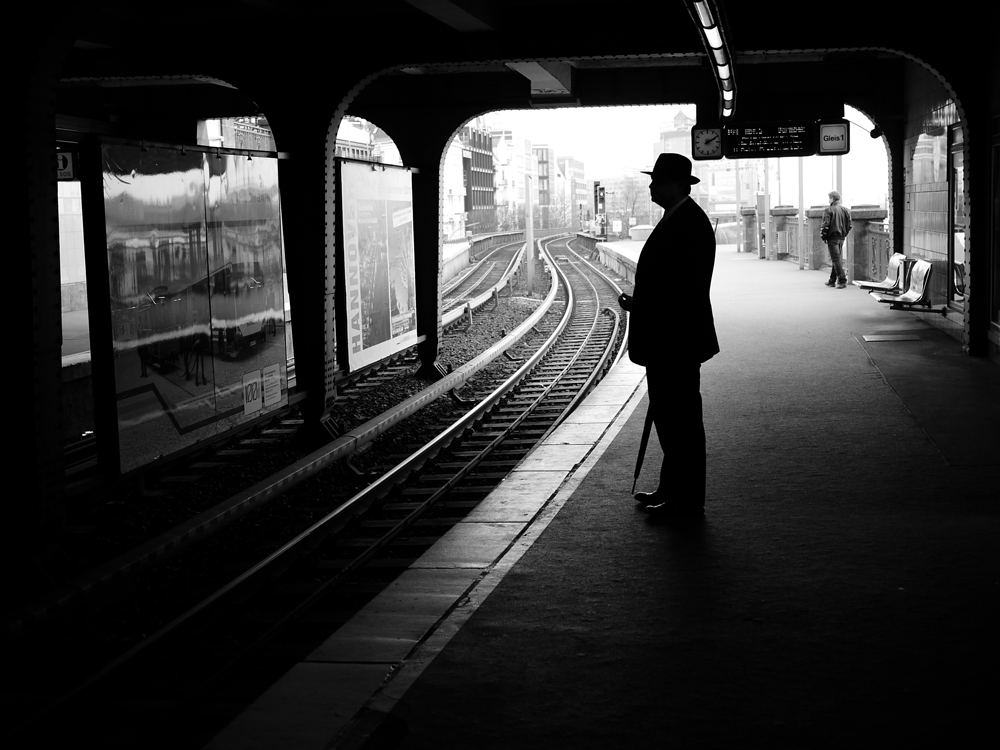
549,80
452,14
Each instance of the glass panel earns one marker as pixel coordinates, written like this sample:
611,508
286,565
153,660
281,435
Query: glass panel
959,226
73,277
195,271
930,158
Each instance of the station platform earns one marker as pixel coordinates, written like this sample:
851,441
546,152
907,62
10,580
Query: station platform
842,590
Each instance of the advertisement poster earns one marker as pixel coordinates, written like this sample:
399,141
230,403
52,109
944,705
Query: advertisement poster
197,294
377,234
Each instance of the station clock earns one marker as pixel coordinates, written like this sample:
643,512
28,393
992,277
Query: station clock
706,143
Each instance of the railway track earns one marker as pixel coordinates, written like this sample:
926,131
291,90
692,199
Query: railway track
232,462
332,568
236,463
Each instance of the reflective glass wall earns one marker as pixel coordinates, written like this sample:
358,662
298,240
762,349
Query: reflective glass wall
197,294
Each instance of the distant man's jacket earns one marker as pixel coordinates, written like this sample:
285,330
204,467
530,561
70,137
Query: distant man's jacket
836,221
670,315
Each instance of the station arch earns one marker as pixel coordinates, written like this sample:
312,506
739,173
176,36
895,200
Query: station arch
301,118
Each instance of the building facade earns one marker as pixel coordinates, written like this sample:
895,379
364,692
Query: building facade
516,166
579,191
552,200
480,178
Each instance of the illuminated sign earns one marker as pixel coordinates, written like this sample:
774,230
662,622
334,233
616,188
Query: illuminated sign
64,166
762,140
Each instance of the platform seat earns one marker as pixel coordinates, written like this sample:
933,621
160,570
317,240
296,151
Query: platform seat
895,277
917,291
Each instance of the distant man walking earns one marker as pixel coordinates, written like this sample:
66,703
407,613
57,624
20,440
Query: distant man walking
836,225
671,295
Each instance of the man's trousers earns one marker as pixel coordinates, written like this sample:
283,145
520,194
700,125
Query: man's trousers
675,401
836,248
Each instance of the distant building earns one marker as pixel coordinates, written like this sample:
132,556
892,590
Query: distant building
514,162
580,191
251,133
479,175
356,139
675,138
553,203
453,193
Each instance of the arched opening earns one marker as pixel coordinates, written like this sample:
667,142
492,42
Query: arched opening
376,288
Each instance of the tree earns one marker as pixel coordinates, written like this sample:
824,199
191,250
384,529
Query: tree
633,194
559,212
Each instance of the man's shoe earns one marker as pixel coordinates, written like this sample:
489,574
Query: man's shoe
841,285
649,498
831,282
675,510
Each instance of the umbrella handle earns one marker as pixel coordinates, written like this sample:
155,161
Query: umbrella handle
646,429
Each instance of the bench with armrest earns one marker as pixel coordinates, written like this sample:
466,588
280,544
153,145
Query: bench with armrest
917,292
896,277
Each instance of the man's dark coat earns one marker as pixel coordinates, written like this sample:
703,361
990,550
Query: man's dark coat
671,311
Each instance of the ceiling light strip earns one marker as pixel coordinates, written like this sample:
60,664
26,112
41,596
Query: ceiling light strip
705,14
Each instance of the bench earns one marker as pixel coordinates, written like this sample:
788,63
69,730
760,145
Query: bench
917,291
895,277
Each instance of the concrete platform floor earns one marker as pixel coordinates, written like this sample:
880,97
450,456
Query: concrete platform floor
842,590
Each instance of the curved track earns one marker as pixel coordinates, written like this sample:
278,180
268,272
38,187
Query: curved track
389,520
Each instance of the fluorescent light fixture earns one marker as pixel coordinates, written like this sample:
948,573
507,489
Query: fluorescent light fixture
704,14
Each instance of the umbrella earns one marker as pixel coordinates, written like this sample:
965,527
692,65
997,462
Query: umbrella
646,427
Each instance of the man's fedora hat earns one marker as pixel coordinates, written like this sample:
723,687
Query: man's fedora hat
672,168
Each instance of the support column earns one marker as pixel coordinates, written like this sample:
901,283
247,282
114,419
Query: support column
865,264
779,223
748,215
982,252
35,520
310,261
817,254
427,259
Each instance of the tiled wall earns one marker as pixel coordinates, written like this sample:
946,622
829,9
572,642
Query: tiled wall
930,112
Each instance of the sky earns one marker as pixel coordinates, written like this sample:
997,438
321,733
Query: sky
612,141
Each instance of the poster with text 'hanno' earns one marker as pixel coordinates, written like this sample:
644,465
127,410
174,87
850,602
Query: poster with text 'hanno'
378,261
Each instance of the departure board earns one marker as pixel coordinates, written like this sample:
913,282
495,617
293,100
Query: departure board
761,140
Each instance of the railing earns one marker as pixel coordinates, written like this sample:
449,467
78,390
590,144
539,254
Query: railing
488,242
789,244
586,242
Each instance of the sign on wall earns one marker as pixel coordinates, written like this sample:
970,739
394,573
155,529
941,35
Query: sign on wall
197,295
834,138
377,261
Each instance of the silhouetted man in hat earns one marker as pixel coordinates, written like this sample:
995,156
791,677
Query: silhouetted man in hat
672,332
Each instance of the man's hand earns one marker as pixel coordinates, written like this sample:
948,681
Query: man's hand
625,301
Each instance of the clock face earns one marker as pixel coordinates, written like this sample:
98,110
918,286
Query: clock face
706,143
